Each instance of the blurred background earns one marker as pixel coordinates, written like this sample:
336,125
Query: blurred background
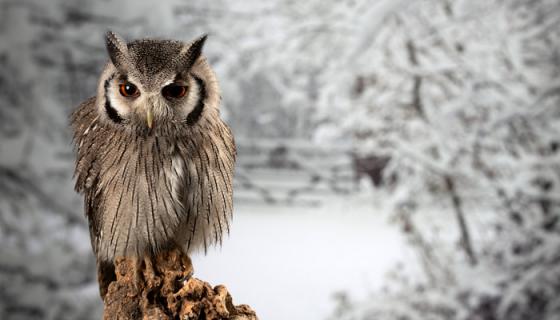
397,159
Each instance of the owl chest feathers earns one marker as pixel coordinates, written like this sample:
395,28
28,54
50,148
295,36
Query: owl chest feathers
144,194
140,194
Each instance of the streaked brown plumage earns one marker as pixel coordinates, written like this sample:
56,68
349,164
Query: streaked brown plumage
155,167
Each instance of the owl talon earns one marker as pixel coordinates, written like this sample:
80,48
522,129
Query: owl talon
150,275
137,281
184,279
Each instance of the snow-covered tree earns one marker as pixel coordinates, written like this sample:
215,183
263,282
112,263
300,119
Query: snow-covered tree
463,97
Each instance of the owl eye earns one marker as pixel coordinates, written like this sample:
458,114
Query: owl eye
174,91
129,90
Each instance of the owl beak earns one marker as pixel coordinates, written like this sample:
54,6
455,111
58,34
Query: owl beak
149,118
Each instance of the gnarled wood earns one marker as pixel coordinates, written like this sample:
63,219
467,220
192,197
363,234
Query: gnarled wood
162,288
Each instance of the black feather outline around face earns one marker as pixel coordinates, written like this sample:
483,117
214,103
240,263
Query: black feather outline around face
111,112
195,114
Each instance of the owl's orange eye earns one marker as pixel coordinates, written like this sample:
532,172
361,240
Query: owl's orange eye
174,91
129,90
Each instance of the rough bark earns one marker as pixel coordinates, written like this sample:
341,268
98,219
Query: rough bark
162,288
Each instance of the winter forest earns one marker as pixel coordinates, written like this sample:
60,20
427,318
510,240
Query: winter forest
397,159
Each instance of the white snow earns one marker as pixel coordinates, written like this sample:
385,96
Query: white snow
286,262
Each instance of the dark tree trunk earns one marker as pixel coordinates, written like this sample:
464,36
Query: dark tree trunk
465,241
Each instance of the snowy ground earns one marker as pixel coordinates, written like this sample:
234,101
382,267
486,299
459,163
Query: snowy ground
287,262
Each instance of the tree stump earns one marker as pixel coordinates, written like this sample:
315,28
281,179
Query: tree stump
166,290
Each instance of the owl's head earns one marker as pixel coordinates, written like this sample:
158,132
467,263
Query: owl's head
150,84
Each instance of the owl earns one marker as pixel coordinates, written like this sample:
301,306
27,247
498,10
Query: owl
154,160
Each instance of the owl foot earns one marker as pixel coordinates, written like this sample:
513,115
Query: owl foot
144,274
150,275
137,278
186,264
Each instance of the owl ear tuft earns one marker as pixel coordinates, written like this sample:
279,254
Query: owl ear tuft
117,50
190,53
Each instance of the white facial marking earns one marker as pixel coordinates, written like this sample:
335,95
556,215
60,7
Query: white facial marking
117,101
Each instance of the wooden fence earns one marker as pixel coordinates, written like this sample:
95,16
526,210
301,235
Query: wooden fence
291,172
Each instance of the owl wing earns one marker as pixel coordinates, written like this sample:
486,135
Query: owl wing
84,124
207,188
